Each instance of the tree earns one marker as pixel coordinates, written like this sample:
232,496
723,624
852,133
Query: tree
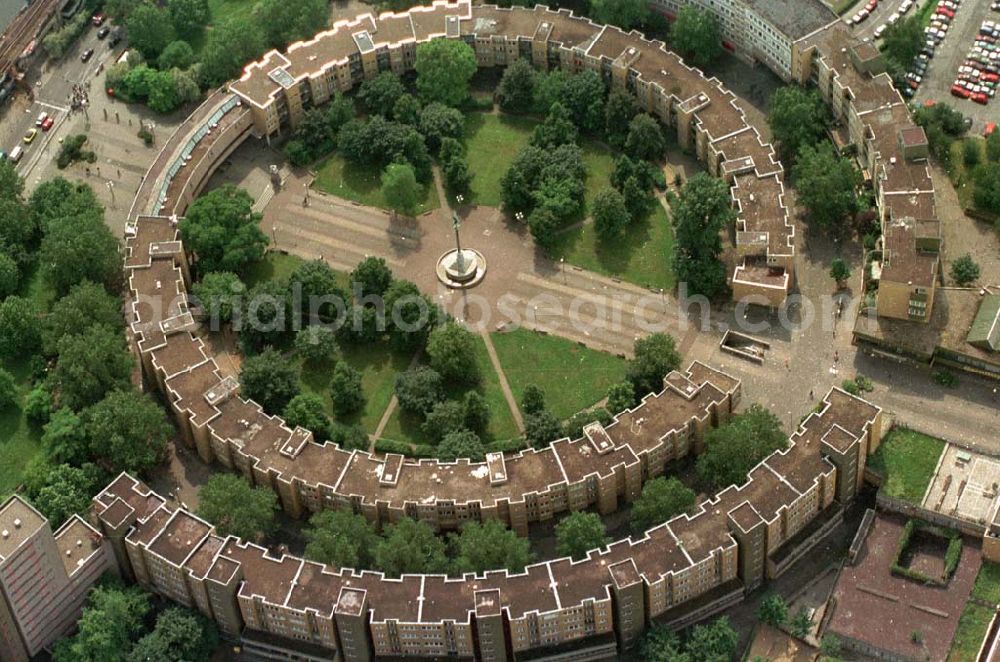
444,68
457,177
308,410
662,645
407,110
38,405
773,610
801,624
993,146
971,155
285,21
610,215
516,91
228,47
621,396
75,249
475,412
452,352
839,271
410,547
987,194
346,390
733,449
400,188
544,225
619,110
86,305
964,271
9,275
64,438
11,184
461,444
373,276
349,437
443,419
797,118
222,230
645,140
321,298
19,229
340,538
532,400
713,641
61,491
583,95
90,365
316,344
701,212
830,645
578,533
490,546
662,499
827,184
380,94
269,380
339,111
149,29
180,634
413,315
573,428
532,168
697,35
218,293
542,428
557,129
178,54
127,431
18,327
112,618
438,121
189,17
236,508
902,42
656,355
8,390
626,14
263,316
419,389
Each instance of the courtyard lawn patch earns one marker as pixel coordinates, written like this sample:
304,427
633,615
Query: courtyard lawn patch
573,377
378,364
970,633
643,255
961,175
275,266
906,461
405,427
362,184
21,441
987,586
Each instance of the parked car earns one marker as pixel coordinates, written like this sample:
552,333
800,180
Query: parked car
98,19
30,136
959,91
86,55
879,31
47,124
980,98
42,116
103,32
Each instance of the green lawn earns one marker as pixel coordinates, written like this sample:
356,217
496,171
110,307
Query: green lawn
906,460
221,11
987,586
406,427
378,365
573,377
961,175
969,635
274,266
361,184
643,255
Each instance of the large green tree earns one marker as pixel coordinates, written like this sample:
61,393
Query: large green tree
380,93
626,14
87,305
180,634
578,533
61,491
661,500
733,449
902,42
340,538
419,389
308,410
827,185
490,546
987,194
438,121
229,46
797,118
269,380
655,356
346,391
700,213
372,275
461,444
400,188
127,431
557,129
410,547
235,508
285,21
112,618
697,35
611,217
452,352
516,92
18,327
8,390
150,29
75,249
218,293
222,230
90,365
645,139
444,68
189,16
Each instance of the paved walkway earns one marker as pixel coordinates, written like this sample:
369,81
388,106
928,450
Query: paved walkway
508,394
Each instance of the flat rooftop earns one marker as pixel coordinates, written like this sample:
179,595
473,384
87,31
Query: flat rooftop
794,18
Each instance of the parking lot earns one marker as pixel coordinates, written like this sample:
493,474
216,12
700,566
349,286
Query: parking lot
951,54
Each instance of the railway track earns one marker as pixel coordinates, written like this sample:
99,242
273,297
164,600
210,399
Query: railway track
22,30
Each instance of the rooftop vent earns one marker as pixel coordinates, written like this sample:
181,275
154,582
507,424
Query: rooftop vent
17,523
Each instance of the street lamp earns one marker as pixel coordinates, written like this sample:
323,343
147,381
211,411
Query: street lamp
111,189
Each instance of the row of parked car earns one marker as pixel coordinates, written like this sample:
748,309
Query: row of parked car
894,17
979,76
934,34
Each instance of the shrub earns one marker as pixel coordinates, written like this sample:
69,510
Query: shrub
946,379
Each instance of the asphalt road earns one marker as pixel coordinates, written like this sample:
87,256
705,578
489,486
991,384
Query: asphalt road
881,14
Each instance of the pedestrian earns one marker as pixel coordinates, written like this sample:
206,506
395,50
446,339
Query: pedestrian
811,396
836,356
